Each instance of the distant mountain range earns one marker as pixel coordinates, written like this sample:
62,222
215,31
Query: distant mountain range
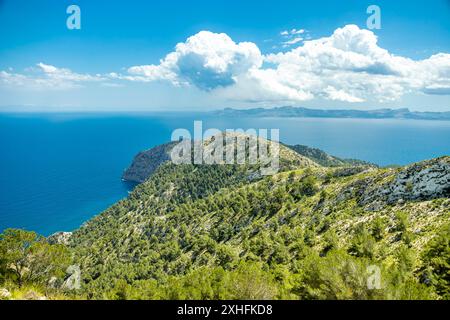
403,113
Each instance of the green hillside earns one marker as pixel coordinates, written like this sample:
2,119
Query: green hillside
308,232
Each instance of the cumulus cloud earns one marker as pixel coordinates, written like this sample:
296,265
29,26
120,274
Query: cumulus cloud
206,60
349,65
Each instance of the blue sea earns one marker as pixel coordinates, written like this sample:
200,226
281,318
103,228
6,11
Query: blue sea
59,170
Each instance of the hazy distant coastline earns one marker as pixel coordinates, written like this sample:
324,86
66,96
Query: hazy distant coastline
301,112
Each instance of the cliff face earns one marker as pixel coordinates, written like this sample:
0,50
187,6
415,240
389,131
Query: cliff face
146,162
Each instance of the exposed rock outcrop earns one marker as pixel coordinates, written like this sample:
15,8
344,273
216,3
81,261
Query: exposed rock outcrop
59,238
146,162
420,181
424,180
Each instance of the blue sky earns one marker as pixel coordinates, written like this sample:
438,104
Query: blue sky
113,62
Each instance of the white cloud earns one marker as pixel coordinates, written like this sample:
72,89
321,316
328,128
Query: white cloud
47,68
295,31
340,95
348,66
207,60
292,37
357,69
292,42
292,32
44,76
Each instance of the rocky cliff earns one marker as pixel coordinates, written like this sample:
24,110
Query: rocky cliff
146,162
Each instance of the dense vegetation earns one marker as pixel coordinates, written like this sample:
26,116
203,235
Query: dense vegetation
222,232
324,158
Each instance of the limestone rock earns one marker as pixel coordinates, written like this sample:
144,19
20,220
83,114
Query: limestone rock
60,238
420,181
425,180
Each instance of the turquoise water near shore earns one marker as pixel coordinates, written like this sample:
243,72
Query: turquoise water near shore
59,170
